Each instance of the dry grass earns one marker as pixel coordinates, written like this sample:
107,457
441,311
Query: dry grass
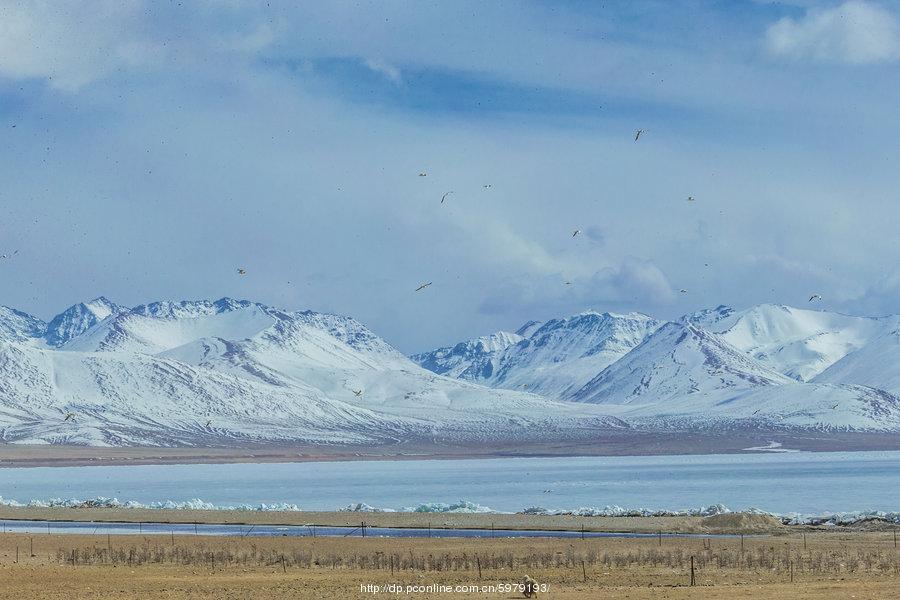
865,565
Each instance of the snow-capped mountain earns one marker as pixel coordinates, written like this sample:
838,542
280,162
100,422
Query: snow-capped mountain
717,367
678,360
235,371
77,319
683,375
796,342
554,359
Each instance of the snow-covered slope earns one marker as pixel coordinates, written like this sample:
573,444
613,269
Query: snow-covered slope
684,375
796,342
554,359
877,364
678,360
16,326
236,371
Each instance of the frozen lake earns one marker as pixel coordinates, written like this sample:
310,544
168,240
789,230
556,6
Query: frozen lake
782,483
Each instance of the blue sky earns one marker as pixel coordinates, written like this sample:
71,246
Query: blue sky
151,149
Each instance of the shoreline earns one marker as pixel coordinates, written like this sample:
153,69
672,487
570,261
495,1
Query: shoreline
631,443
731,523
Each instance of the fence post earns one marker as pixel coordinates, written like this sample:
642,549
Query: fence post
478,561
583,572
692,570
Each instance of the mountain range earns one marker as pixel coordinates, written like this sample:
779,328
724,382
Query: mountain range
233,372
230,372
768,365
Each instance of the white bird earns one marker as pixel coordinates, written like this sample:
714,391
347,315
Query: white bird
683,291
357,393
487,186
815,297
444,197
690,198
637,134
241,271
576,232
423,286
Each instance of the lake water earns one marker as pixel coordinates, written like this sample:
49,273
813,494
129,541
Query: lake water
782,483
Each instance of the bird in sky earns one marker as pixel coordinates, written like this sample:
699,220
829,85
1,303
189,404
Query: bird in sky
576,232
683,291
242,271
756,411
487,186
209,423
814,297
568,283
423,286
3,256
69,417
423,174
444,197
834,407
637,134
357,393
690,198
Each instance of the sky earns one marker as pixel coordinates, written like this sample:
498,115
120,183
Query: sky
150,149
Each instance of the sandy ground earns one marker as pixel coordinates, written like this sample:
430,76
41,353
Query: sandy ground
732,523
605,443
823,566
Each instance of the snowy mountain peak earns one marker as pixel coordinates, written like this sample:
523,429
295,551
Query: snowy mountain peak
528,328
554,358
678,360
78,318
187,309
797,342
471,360
17,326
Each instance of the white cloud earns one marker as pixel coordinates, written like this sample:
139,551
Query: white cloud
74,44
855,32
381,67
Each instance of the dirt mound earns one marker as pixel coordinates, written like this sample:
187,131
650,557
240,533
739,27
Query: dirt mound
741,523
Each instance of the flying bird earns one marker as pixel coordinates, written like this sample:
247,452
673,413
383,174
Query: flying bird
69,417
637,134
690,198
487,186
834,407
423,174
209,424
757,410
683,291
2,256
242,271
423,286
814,297
576,232
357,393
444,197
